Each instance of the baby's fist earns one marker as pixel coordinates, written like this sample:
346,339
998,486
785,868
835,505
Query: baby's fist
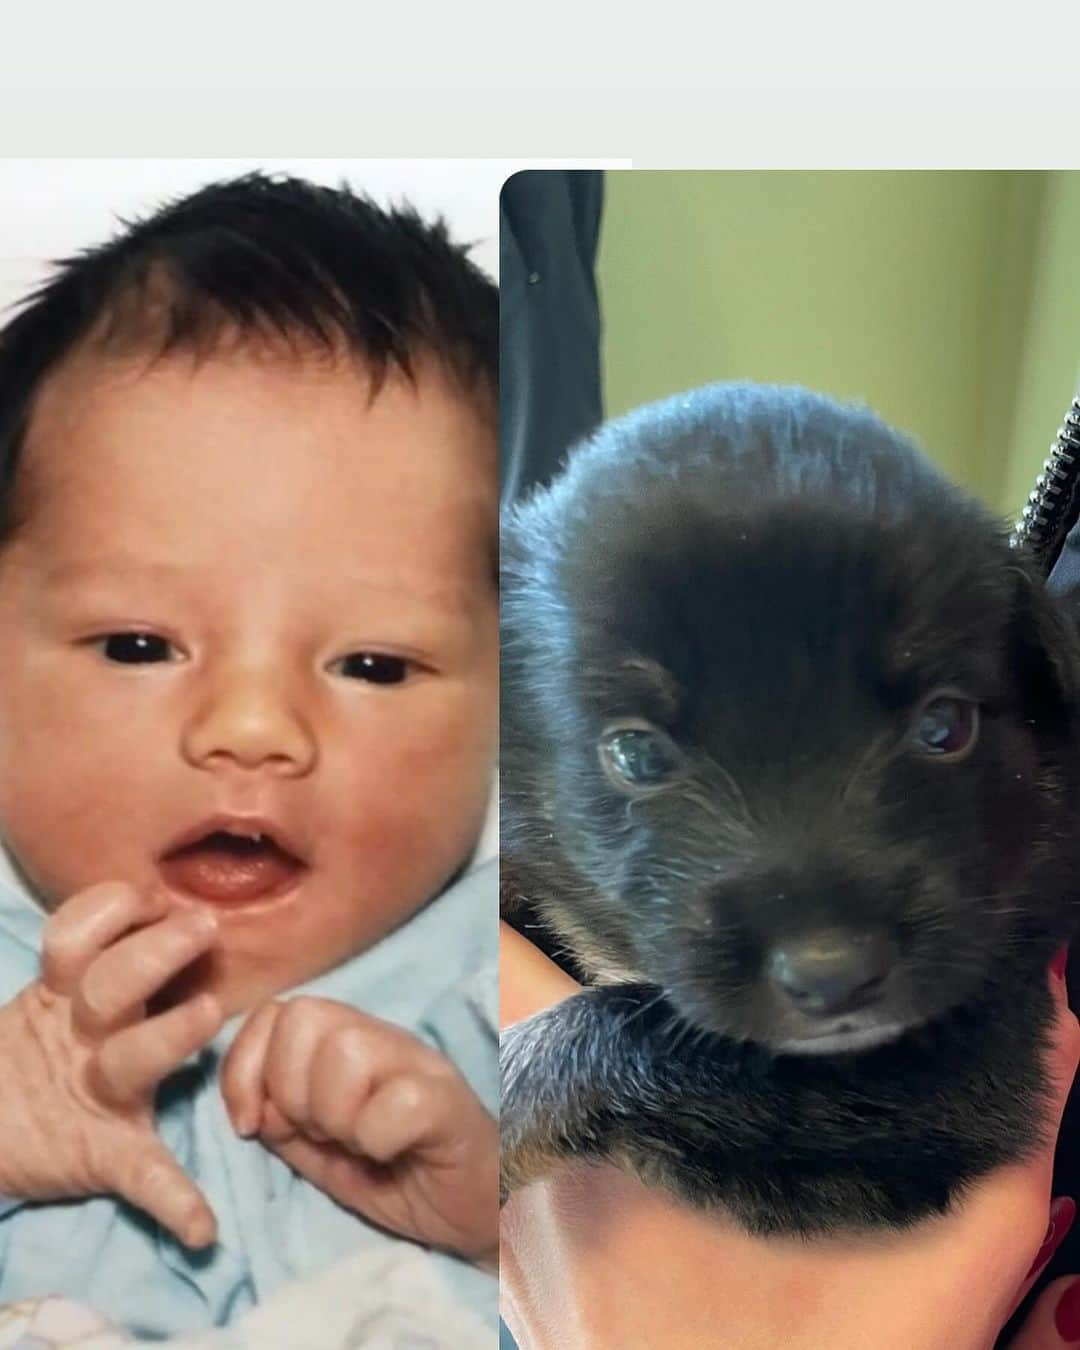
372,1116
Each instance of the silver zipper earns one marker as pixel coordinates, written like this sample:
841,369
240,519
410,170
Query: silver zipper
1051,506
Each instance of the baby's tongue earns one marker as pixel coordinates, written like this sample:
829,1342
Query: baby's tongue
225,867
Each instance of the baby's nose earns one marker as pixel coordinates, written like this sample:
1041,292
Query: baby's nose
248,719
830,972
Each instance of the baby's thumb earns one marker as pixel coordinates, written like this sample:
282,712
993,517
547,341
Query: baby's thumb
151,1179
1054,1321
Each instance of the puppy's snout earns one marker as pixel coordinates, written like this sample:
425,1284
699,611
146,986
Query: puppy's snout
831,972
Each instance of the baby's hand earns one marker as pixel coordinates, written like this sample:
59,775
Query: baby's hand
80,1060
370,1115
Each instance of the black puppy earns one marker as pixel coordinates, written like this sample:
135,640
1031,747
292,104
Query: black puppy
791,774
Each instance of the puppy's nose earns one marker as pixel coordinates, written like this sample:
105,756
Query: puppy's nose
831,972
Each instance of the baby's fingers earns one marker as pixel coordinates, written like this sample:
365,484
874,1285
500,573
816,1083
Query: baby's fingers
413,1113
382,1094
132,1062
372,1066
242,1084
122,979
151,1179
88,923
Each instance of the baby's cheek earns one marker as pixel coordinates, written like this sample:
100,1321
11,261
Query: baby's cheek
64,843
49,823
73,799
422,807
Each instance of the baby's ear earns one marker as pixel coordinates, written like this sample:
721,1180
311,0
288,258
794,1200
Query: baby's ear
1046,649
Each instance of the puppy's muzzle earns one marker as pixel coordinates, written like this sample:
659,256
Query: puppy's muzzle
833,989
835,971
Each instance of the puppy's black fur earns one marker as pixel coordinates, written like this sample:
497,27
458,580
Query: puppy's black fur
769,587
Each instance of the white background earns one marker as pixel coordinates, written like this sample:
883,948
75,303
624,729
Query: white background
776,83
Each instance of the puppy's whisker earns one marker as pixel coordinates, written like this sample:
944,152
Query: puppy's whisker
659,997
872,750
737,794
729,831
689,1032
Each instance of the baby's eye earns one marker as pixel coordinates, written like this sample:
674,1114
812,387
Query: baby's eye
134,649
372,667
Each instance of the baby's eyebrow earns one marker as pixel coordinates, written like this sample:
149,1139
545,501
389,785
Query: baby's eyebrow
445,597
449,596
65,574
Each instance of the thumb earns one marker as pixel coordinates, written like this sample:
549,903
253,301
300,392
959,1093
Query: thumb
1054,1321
152,1180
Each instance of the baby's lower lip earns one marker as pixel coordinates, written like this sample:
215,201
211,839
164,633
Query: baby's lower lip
212,872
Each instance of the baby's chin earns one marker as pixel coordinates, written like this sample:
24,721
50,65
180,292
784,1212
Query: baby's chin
204,976
237,986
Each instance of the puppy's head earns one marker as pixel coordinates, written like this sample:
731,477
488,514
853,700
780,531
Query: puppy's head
799,723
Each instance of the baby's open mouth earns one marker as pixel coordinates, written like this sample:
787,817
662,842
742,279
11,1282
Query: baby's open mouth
231,864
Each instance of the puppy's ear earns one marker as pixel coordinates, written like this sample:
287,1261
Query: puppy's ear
1046,649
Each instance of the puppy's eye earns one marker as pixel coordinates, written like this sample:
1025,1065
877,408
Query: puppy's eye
947,726
638,757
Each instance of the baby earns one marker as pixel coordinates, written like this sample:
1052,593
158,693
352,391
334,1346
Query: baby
248,710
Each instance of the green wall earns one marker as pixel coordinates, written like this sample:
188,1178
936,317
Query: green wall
935,297
1047,374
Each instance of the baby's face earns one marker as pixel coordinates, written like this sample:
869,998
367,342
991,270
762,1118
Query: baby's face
248,600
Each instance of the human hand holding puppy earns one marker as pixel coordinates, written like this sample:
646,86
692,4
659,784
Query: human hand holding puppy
592,1258
373,1117
82,1059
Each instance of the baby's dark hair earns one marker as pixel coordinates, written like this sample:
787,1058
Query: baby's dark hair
260,256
